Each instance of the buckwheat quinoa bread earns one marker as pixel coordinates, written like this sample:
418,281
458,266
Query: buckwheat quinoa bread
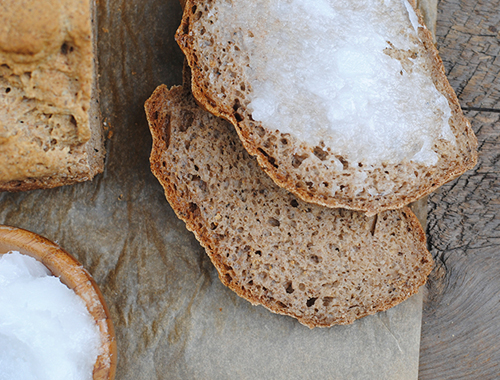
320,265
50,127
344,103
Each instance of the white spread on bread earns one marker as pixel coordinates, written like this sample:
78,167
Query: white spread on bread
348,92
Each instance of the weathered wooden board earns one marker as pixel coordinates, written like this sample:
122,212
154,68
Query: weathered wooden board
461,317
468,34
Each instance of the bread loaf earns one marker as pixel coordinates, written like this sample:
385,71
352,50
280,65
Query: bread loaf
50,128
345,104
320,265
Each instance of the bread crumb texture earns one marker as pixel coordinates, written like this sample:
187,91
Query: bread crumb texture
342,134
46,83
320,265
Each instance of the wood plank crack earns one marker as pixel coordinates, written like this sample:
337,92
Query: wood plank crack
479,109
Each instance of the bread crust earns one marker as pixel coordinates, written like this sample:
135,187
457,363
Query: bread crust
50,124
296,165
298,259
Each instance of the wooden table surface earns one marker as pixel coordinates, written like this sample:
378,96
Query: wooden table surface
461,318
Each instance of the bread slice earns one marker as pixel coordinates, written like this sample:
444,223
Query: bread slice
320,265
345,104
50,126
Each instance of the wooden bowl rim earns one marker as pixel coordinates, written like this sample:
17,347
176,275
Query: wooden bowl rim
76,277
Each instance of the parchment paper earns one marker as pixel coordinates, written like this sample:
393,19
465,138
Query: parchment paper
173,318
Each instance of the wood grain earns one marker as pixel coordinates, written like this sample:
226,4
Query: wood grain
468,34
461,317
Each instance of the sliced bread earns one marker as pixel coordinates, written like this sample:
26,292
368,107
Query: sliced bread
50,126
345,104
320,265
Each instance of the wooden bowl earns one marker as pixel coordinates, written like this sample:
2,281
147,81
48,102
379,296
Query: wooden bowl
75,277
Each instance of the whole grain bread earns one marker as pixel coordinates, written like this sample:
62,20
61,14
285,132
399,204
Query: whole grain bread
320,265
220,62
50,126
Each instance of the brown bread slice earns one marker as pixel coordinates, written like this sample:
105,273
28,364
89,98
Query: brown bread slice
222,63
320,265
50,126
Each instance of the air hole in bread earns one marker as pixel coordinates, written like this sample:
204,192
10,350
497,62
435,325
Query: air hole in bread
66,48
185,29
187,118
311,301
72,120
316,259
298,159
260,131
343,161
236,105
294,203
7,90
281,304
374,225
259,253
302,287
274,222
202,185
332,248
320,153
327,301
289,287
192,207
155,116
238,117
270,159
